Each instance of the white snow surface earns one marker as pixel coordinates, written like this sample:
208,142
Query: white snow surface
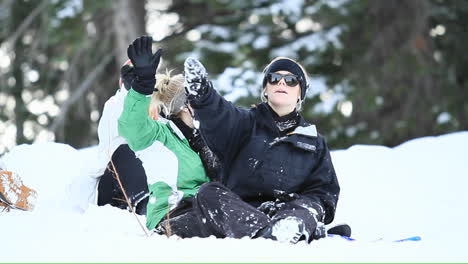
416,188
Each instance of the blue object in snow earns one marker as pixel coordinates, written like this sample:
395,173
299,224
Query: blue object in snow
413,238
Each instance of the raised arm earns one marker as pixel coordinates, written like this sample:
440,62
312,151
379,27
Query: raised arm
223,125
135,125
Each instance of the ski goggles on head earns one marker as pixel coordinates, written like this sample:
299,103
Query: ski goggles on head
290,79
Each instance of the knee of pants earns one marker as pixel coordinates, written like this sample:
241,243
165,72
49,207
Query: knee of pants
209,190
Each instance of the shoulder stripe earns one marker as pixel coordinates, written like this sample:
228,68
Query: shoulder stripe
310,131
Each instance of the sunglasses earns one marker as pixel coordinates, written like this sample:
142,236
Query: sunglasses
290,79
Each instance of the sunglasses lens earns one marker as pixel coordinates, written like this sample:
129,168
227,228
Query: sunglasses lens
274,78
291,80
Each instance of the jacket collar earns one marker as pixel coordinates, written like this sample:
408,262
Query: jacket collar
266,119
176,130
308,130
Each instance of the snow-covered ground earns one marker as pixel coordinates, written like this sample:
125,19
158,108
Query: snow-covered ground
417,188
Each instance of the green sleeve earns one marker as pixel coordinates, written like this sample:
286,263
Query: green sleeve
136,126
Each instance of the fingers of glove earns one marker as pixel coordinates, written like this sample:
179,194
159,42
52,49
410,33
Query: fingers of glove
156,57
272,212
266,204
278,194
293,196
267,208
137,43
131,53
283,196
280,206
149,44
144,45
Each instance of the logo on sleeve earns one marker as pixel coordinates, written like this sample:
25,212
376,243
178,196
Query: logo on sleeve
306,146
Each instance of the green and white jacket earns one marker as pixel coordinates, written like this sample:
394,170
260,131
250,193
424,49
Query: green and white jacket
173,169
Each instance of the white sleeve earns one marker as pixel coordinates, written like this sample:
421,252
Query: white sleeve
84,189
2,165
108,134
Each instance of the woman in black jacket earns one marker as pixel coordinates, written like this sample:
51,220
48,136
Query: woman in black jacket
278,179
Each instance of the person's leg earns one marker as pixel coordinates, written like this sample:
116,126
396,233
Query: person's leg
224,214
106,188
132,176
182,222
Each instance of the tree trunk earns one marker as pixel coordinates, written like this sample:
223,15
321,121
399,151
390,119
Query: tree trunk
128,23
21,113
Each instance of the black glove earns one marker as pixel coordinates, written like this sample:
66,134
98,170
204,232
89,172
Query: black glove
196,79
129,78
145,64
282,196
286,203
127,74
142,57
269,208
195,140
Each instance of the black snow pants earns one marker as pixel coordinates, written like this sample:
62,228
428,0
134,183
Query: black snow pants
133,178
217,211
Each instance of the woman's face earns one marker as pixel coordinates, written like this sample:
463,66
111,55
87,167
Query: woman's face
282,95
186,116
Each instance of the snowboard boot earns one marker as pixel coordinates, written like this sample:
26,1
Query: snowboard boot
14,194
341,230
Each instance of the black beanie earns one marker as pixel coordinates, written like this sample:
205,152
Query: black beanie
290,66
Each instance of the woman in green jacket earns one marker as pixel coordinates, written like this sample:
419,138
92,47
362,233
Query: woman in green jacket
174,170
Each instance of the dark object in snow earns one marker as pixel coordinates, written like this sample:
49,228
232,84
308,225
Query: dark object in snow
406,239
341,229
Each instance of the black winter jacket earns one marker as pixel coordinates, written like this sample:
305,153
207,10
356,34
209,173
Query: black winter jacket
257,161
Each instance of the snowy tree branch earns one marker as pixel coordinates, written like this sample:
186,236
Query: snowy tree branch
26,23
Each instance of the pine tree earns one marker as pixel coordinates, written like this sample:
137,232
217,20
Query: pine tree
382,72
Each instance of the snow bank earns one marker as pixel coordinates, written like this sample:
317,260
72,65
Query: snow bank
417,188
49,168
